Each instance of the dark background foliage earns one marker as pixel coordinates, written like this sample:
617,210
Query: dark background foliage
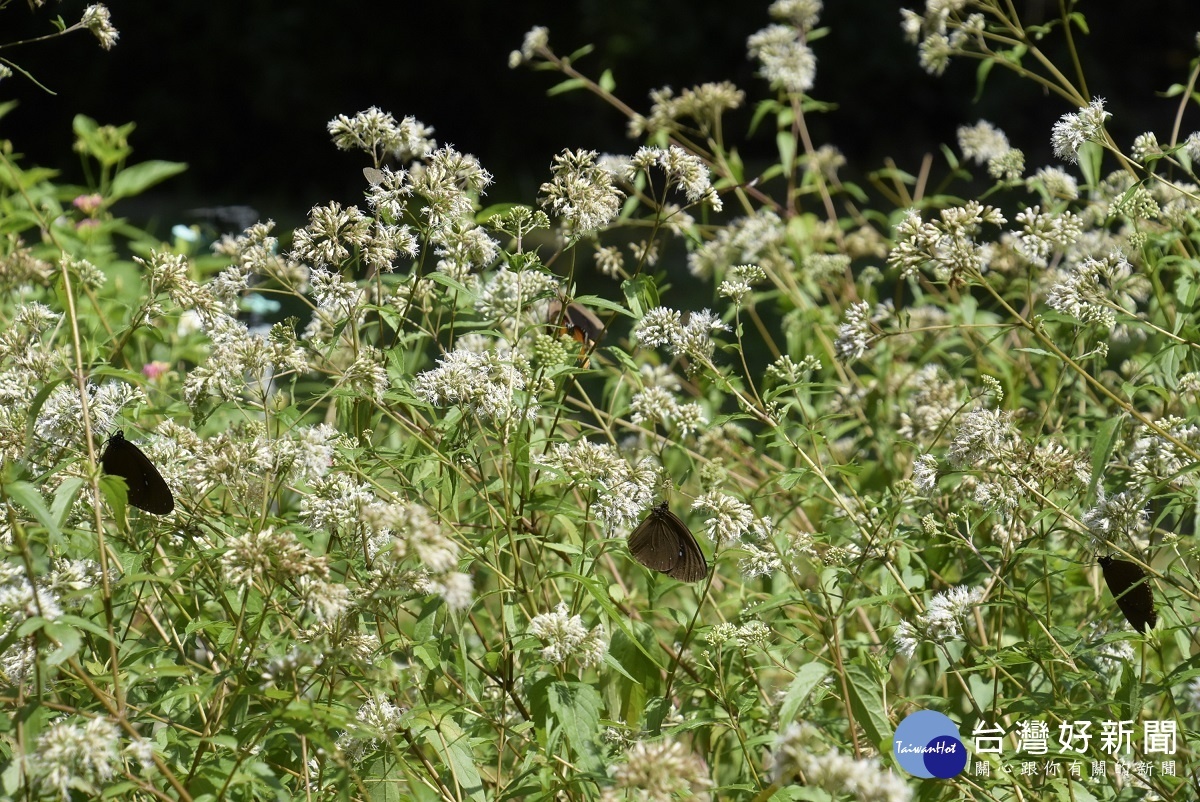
241,91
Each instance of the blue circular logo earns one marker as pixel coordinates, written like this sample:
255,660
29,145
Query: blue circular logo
927,745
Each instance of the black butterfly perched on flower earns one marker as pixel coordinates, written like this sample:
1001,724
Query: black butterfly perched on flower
1131,588
147,489
663,542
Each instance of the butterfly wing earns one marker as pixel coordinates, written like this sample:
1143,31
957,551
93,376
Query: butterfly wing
653,543
146,488
691,567
1131,588
663,542
579,322
583,324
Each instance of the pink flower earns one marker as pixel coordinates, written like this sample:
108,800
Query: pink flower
88,204
152,370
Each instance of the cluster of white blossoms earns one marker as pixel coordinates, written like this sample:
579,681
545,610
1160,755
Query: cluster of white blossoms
942,621
277,557
854,334
684,170
948,246
63,587
377,132
799,752
70,757
661,770
984,143
1073,129
730,519
582,192
566,637
96,19
1097,290
378,722
489,384
692,338
623,491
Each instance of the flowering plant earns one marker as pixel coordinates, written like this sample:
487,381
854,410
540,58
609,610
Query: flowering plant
404,465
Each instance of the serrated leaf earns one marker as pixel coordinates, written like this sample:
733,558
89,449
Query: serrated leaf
451,743
64,498
1090,156
576,707
866,701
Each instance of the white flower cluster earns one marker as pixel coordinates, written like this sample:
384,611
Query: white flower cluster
489,384
623,491
799,752
942,621
666,327
565,636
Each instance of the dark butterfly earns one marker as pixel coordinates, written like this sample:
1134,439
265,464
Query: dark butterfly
1130,587
579,322
147,490
663,542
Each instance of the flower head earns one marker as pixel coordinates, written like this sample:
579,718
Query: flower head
1072,130
565,636
96,19
581,192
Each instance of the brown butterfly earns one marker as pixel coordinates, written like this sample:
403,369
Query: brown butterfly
147,490
663,542
579,322
1129,586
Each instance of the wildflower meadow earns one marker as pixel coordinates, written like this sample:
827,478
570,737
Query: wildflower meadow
928,437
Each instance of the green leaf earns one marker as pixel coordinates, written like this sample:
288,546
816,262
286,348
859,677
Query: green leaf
1101,449
68,640
737,170
1090,157
866,700
641,295
763,109
64,498
807,678
116,492
632,649
791,478
1185,290
28,497
140,177
607,82
786,143
981,74
576,707
452,744
569,85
